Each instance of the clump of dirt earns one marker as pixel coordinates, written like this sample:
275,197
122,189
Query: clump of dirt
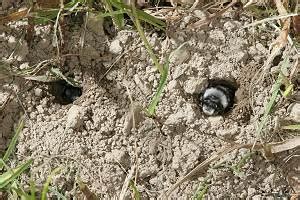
95,138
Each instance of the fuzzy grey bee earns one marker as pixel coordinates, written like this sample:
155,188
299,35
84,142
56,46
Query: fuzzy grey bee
217,98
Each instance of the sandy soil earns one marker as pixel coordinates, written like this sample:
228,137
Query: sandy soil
96,137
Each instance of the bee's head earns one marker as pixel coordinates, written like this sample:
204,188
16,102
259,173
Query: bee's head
212,105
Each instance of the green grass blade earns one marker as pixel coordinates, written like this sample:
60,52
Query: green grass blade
13,142
32,190
47,183
56,72
43,17
276,90
270,104
41,78
12,174
110,14
292,127
146,42
237,169
136,193
162,84
141,14
288,90
202,190
117,19
20,192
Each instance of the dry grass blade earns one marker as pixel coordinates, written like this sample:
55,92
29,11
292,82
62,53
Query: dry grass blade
281,40
126,182
211,17
270,19
13,142
14,16
285,145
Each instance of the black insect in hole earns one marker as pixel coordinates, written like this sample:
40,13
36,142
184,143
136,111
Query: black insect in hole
218,97
64,93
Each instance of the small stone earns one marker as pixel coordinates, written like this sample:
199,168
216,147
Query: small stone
180,55
119,156
228,132
217,35
251,191
215,121
172,85
11,42
74,117
124,36
200,14
186,114
40,109
269,179
24,66
179,71
294,112
195,85
135,116
115,47
38,92
257,197
229,25
261,48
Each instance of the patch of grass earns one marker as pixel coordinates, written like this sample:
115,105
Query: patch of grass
237,169
201,190
47,183
135,191
12,143
8,178
118,19
138,14
11,174
276,91
163,69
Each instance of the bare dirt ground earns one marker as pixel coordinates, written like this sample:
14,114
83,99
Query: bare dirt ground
97,138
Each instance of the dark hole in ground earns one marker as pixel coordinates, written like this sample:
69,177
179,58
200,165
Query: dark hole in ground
159,3
277,60
218,97
63,92
109,28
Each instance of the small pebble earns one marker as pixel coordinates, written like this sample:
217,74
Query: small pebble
38,92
